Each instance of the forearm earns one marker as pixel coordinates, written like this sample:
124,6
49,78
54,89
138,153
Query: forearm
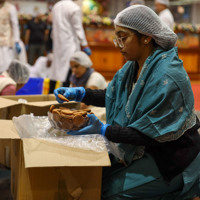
126,135
94,97
27,36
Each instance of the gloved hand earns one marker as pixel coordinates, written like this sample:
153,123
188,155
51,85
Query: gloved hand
71,93
17,48
87,50
95,126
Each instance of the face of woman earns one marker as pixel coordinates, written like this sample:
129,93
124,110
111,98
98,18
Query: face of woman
77,69
159,7
132,47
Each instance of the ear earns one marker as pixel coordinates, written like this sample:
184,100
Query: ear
147,40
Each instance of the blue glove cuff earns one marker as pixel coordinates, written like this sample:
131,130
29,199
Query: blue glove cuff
17,47
87,50
103,129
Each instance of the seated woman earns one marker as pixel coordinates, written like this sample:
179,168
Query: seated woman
149,114
83,74
14,78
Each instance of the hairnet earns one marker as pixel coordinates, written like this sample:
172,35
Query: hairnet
81,58
144,20
19,72
133,2
164,2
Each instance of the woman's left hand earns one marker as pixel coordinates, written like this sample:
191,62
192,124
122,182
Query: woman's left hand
95,126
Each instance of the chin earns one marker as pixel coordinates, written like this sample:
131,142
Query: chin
128,58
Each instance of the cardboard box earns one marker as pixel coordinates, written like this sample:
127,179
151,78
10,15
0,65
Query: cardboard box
50,171
7,133
11,106
37,104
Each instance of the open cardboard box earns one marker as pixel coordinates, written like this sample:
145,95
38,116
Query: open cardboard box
41,170
36,104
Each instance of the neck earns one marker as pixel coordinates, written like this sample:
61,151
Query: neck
145,55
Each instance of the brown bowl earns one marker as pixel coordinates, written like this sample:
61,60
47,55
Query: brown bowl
67,119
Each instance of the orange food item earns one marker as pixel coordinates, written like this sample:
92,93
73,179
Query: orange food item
63,98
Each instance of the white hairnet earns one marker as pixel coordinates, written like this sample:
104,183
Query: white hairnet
144,20
19,72
133,2
164,2
81,58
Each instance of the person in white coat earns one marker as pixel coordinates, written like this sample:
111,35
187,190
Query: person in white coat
161,7
41,67
9,34
68,36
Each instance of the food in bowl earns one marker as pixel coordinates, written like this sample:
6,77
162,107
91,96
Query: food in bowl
68,119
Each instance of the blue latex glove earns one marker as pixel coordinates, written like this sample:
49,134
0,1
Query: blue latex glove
17,47
95,126
87,50
71,93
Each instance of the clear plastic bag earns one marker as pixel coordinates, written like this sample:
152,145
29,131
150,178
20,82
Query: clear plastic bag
62,123
30,126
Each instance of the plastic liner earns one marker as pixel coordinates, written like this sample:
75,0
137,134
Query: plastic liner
66,124
30,126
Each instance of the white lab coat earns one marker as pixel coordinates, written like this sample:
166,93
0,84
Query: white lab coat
167,17
40,69
68,35
7,51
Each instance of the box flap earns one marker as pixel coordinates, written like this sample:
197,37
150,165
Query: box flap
42,103
41,153
7,102
8,130
32,98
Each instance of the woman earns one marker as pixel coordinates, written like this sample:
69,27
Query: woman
83,74
14,78
149,111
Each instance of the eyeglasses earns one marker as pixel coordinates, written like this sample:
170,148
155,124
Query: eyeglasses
119,42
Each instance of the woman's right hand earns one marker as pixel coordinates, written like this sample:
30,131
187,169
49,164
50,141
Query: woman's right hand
71,93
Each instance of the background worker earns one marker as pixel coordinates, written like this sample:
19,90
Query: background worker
9,34
83,74
149,114
14,78
41,68
68,36
162,9
35,38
